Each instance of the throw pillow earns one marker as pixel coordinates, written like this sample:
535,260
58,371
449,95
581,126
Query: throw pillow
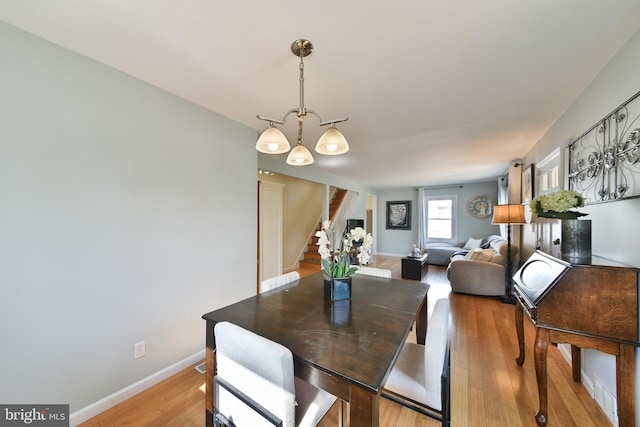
472,244
480,255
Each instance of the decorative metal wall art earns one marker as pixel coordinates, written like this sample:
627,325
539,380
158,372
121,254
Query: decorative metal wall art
604,161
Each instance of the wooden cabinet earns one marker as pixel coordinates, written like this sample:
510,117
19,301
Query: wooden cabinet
588,306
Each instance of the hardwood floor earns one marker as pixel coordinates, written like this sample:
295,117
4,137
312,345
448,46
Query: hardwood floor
487,387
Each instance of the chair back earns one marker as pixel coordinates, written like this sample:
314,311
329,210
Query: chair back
434,359
371,271
260,368
275,282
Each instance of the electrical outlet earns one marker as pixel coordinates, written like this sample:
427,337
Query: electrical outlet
139,349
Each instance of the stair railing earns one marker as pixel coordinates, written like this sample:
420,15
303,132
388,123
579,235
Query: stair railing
345,210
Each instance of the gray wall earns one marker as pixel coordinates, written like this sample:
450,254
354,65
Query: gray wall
400,242
117,224
615,225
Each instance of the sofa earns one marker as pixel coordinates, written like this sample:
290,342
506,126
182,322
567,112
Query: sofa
441,253
482,271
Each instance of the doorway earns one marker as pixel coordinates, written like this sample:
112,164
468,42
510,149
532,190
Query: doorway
371,219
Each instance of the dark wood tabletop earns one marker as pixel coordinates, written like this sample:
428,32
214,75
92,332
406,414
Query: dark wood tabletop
346,347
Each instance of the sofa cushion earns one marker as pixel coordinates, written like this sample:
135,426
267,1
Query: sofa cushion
480,254
472,244
501,248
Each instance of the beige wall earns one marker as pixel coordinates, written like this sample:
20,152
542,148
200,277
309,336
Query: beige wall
302,207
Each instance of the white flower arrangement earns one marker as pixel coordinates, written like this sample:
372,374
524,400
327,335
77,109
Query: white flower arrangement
558,205
336,261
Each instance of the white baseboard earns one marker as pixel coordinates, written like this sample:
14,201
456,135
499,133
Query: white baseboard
587,383
390,254
119,396
565,351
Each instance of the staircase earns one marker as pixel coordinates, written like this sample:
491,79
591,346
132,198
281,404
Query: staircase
311,260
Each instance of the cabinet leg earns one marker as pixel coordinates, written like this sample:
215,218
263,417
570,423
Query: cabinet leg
625,385
540,356
576,363
520,332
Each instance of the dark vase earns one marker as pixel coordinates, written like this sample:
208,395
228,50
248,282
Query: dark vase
575,246
337,288
340,312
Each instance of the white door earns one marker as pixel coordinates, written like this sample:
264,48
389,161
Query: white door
270,251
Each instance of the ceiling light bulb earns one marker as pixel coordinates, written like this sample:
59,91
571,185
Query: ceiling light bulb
272,141
332,142
299,156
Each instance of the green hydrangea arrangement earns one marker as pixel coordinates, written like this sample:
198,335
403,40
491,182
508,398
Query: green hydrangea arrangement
558,205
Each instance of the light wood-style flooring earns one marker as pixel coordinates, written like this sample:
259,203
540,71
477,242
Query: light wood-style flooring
488,388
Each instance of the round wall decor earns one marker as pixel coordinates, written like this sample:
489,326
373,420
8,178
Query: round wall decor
480,206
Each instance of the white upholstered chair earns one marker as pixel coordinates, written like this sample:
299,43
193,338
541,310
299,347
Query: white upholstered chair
261,371
420,377
371,271
275,282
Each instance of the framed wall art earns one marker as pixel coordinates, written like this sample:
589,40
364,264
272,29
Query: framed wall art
399,215
527,184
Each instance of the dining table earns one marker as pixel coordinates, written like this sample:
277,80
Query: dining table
345,347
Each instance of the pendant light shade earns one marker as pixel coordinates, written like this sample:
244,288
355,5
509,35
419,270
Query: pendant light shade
299,156
272,141
332,142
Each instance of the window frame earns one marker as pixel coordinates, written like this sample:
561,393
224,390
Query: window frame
454,218
548,173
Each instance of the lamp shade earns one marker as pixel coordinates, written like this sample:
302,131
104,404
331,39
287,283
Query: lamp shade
508,214
272,141
332,142
299,156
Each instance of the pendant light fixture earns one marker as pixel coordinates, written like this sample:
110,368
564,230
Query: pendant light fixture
273,141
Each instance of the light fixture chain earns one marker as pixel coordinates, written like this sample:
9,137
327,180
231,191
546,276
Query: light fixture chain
301,110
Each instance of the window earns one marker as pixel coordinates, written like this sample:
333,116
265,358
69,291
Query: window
549,173
440,217
549,180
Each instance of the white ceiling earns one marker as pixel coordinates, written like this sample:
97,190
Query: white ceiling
437,92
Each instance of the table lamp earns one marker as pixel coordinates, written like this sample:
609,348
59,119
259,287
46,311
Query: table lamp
508,215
